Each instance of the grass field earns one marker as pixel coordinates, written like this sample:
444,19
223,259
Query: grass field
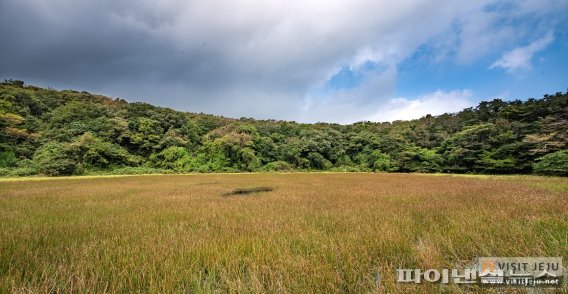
312,233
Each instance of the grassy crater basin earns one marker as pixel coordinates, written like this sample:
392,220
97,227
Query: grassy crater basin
314,232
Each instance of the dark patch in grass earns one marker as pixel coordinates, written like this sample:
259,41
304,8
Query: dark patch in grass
246,191
208,183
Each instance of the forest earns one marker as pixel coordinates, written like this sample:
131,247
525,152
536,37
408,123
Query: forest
56,133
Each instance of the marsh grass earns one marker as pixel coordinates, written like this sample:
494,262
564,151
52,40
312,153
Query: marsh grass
312,233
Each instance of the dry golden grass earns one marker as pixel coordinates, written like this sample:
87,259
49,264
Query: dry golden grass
312,233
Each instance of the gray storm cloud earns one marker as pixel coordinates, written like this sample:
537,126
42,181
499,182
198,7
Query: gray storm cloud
237,57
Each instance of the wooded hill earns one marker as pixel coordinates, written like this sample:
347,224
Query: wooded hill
44,131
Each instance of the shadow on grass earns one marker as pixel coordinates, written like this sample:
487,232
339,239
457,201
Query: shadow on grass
247,191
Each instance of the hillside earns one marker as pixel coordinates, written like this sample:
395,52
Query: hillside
44,131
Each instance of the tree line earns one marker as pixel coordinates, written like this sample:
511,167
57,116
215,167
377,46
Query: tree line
44,131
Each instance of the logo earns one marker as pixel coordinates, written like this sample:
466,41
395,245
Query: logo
494,272
521,271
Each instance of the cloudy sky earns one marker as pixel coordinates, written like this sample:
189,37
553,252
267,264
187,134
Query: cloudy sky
332,61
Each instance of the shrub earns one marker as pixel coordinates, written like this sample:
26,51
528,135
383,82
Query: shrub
228,169
128,170
278,166
23,171
346,169
24,167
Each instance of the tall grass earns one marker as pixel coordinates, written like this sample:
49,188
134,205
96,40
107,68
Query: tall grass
312,233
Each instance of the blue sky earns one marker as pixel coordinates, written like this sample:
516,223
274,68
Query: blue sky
332,61
548,73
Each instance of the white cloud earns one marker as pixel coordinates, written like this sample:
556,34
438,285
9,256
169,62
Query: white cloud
349,105
479,34
247,57
519,59
435,103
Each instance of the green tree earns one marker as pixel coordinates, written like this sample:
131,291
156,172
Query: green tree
174,158
68,131
145,135
91,151
381,161
416,159
553,164
7,159
54,159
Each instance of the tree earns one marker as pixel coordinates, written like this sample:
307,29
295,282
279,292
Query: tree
416,159
145,135
67,132
91,151
247,160
7,159
14,83
174,158
552,136
463,149
53,159
553,164
381,161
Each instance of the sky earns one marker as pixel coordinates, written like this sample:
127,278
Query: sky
338,61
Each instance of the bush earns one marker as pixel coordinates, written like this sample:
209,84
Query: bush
23,171
346,169
277,166
552,164
59,167
128,170
228,169
24,167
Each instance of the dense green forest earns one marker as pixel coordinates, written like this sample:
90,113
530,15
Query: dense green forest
44,131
